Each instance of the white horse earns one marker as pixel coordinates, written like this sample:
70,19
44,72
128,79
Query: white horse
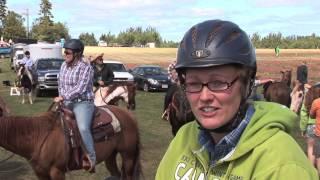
113,93
25,84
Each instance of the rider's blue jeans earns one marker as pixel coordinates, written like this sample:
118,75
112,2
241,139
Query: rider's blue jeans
84,113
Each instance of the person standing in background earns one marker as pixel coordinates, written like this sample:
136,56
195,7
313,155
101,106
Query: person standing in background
302,73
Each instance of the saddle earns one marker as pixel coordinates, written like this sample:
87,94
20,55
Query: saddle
101,129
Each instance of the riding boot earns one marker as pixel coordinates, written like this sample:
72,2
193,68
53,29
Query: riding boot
88,164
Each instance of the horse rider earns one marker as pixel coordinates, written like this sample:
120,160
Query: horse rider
27,62
231,137
75,91
103,74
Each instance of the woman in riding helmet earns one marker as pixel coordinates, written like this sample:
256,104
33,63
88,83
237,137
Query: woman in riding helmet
75,90
231,138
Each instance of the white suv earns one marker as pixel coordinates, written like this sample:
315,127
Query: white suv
119,71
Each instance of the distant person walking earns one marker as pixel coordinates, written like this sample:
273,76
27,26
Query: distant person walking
277,51
302,73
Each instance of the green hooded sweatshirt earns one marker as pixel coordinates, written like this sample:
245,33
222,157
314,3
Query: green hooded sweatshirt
264,151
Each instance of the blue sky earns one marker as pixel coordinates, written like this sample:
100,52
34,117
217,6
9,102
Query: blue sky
172,18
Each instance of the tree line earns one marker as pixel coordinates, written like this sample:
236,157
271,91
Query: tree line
45,29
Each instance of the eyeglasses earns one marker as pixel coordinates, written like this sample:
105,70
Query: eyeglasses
216,85
67,52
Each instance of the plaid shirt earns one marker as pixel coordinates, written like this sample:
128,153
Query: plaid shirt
76,81
227,143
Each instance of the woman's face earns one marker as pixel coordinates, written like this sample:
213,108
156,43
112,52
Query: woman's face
214,109
68,55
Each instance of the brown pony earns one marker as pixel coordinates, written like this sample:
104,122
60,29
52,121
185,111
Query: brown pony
176,108
279,92
116,92
41,141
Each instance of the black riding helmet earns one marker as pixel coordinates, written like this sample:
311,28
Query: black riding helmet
213,43
27,53
75,45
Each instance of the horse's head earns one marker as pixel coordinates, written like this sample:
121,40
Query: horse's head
286,76
266,86
297,86
312,94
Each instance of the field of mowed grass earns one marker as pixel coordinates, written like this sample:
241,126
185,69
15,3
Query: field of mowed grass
132,55
155,133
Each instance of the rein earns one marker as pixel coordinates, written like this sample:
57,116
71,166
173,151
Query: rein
103,99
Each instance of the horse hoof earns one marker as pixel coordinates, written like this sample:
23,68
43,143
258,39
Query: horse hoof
112,178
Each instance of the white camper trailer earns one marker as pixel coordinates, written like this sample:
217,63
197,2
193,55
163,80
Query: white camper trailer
44,50
47,59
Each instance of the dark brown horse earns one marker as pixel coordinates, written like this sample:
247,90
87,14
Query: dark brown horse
125,92
279,91
176,108
41,141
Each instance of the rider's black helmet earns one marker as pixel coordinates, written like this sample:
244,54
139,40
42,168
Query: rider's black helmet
75,45
213,43
27,53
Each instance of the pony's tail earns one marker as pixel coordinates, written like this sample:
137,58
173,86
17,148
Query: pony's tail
137,171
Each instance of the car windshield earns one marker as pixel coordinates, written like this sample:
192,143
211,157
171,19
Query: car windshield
117,67
53,64
153,70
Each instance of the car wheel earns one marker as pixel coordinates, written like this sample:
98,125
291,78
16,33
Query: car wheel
146,87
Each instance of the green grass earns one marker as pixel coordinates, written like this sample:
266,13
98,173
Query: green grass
155,133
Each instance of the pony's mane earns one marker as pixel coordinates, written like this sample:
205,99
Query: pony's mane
45,121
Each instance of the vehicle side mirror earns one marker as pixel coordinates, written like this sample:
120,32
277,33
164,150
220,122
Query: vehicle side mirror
130,70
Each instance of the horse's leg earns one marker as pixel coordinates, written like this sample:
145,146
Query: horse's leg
56,174
22,94
129,162
41,175
111,165
30,97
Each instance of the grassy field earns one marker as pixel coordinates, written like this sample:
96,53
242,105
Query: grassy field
155,133
166,55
